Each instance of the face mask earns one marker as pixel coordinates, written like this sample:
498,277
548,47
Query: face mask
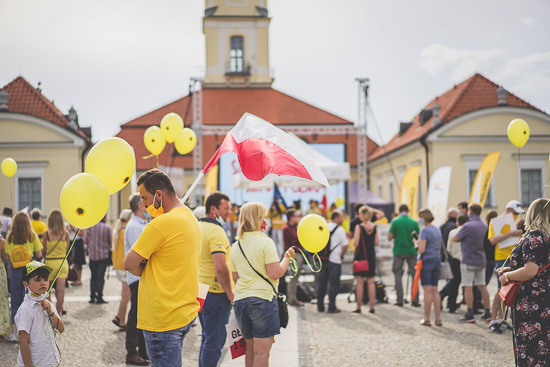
421,221
154,211
34,296
147,215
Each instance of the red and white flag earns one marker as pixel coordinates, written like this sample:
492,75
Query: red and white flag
264,149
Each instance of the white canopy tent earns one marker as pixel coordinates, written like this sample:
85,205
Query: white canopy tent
335,172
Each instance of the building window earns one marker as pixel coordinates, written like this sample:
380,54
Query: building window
531,185
489,202
236,55
30,194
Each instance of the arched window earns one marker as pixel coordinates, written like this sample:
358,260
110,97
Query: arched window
236,55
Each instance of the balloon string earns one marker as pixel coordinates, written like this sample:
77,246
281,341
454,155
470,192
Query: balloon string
294,263
148,156
61,266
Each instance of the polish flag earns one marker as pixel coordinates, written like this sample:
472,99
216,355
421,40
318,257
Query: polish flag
264,149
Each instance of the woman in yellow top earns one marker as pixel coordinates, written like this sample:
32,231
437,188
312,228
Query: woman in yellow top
118,263
275,215
255,304
21,244
56,244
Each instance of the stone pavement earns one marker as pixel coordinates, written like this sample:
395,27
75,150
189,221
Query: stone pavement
390,337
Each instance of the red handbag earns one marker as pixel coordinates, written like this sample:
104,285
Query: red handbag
361,265
509,291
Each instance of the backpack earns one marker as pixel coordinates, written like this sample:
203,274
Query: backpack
20,256
325,252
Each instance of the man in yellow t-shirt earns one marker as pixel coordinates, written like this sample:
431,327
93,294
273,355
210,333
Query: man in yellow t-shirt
513,207
36,222
214,271
166,256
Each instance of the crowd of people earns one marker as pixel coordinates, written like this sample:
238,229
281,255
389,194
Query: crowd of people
161,251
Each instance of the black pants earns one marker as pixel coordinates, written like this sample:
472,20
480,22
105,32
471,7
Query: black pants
329,276
97,281
134,337
451,287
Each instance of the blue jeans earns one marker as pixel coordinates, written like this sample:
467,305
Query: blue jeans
17,290
164,347
328,276
213,318
97,281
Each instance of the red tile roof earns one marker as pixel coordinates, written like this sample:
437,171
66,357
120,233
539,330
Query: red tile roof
25,99
226,107
473,94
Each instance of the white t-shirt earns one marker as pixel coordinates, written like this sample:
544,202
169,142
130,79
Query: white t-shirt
6,222
453,247
337,242
33,319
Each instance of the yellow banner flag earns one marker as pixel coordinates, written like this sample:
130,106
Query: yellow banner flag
211,182
484,176
408,194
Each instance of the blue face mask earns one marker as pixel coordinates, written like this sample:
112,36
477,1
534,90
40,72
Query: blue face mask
147,215
421,221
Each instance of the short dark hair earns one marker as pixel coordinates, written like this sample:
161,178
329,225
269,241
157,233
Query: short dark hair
134,201
335,214
475,208
356,207
36,214
155,179
462,205
41,272
403,208
290,213
462,218
7,211
215,199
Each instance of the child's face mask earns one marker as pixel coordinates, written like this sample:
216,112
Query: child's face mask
154,212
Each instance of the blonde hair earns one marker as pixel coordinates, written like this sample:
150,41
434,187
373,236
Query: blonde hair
250,217
55,222
21,230
124,217
367,213
538,216
426,214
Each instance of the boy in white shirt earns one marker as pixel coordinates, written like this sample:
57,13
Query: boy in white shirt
37,319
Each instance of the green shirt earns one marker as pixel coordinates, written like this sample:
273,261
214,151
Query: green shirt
401,228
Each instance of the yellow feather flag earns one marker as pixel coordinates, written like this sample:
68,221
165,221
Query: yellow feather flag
211,182
484,176
408,194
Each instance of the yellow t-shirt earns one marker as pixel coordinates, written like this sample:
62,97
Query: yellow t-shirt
500,254
118,252
169,284
260,251
39,226
277,221
31,246
214,240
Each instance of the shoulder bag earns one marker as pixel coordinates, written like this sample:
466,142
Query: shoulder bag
445,271
509,291
281,298
362,265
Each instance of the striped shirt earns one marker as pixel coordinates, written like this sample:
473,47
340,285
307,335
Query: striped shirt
98,238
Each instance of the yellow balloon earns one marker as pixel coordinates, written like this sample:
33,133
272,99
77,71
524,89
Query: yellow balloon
313,233
518,132
171,125
112,160
185,141
339,201
154,140
9,167
84,200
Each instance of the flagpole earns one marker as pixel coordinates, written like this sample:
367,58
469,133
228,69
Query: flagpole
186,196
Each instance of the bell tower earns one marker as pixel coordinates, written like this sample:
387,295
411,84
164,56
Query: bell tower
237,44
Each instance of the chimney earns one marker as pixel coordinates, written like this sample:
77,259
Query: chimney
501,93
403,127
436,109
4,96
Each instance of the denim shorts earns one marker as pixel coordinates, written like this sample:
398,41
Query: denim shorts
429,275
257,317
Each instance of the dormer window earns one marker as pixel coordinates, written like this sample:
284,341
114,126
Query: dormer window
236,55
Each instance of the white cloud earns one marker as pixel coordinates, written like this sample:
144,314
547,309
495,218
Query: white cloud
527,21
458,63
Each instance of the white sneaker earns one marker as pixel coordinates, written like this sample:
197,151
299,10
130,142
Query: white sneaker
13,338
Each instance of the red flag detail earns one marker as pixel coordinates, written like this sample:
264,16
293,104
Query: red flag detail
259,157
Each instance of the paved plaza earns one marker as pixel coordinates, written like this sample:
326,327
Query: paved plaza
390,337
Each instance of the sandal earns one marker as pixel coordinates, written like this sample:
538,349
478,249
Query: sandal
116,321
438,323
425,323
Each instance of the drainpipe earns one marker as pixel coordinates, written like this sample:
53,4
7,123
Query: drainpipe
425,145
